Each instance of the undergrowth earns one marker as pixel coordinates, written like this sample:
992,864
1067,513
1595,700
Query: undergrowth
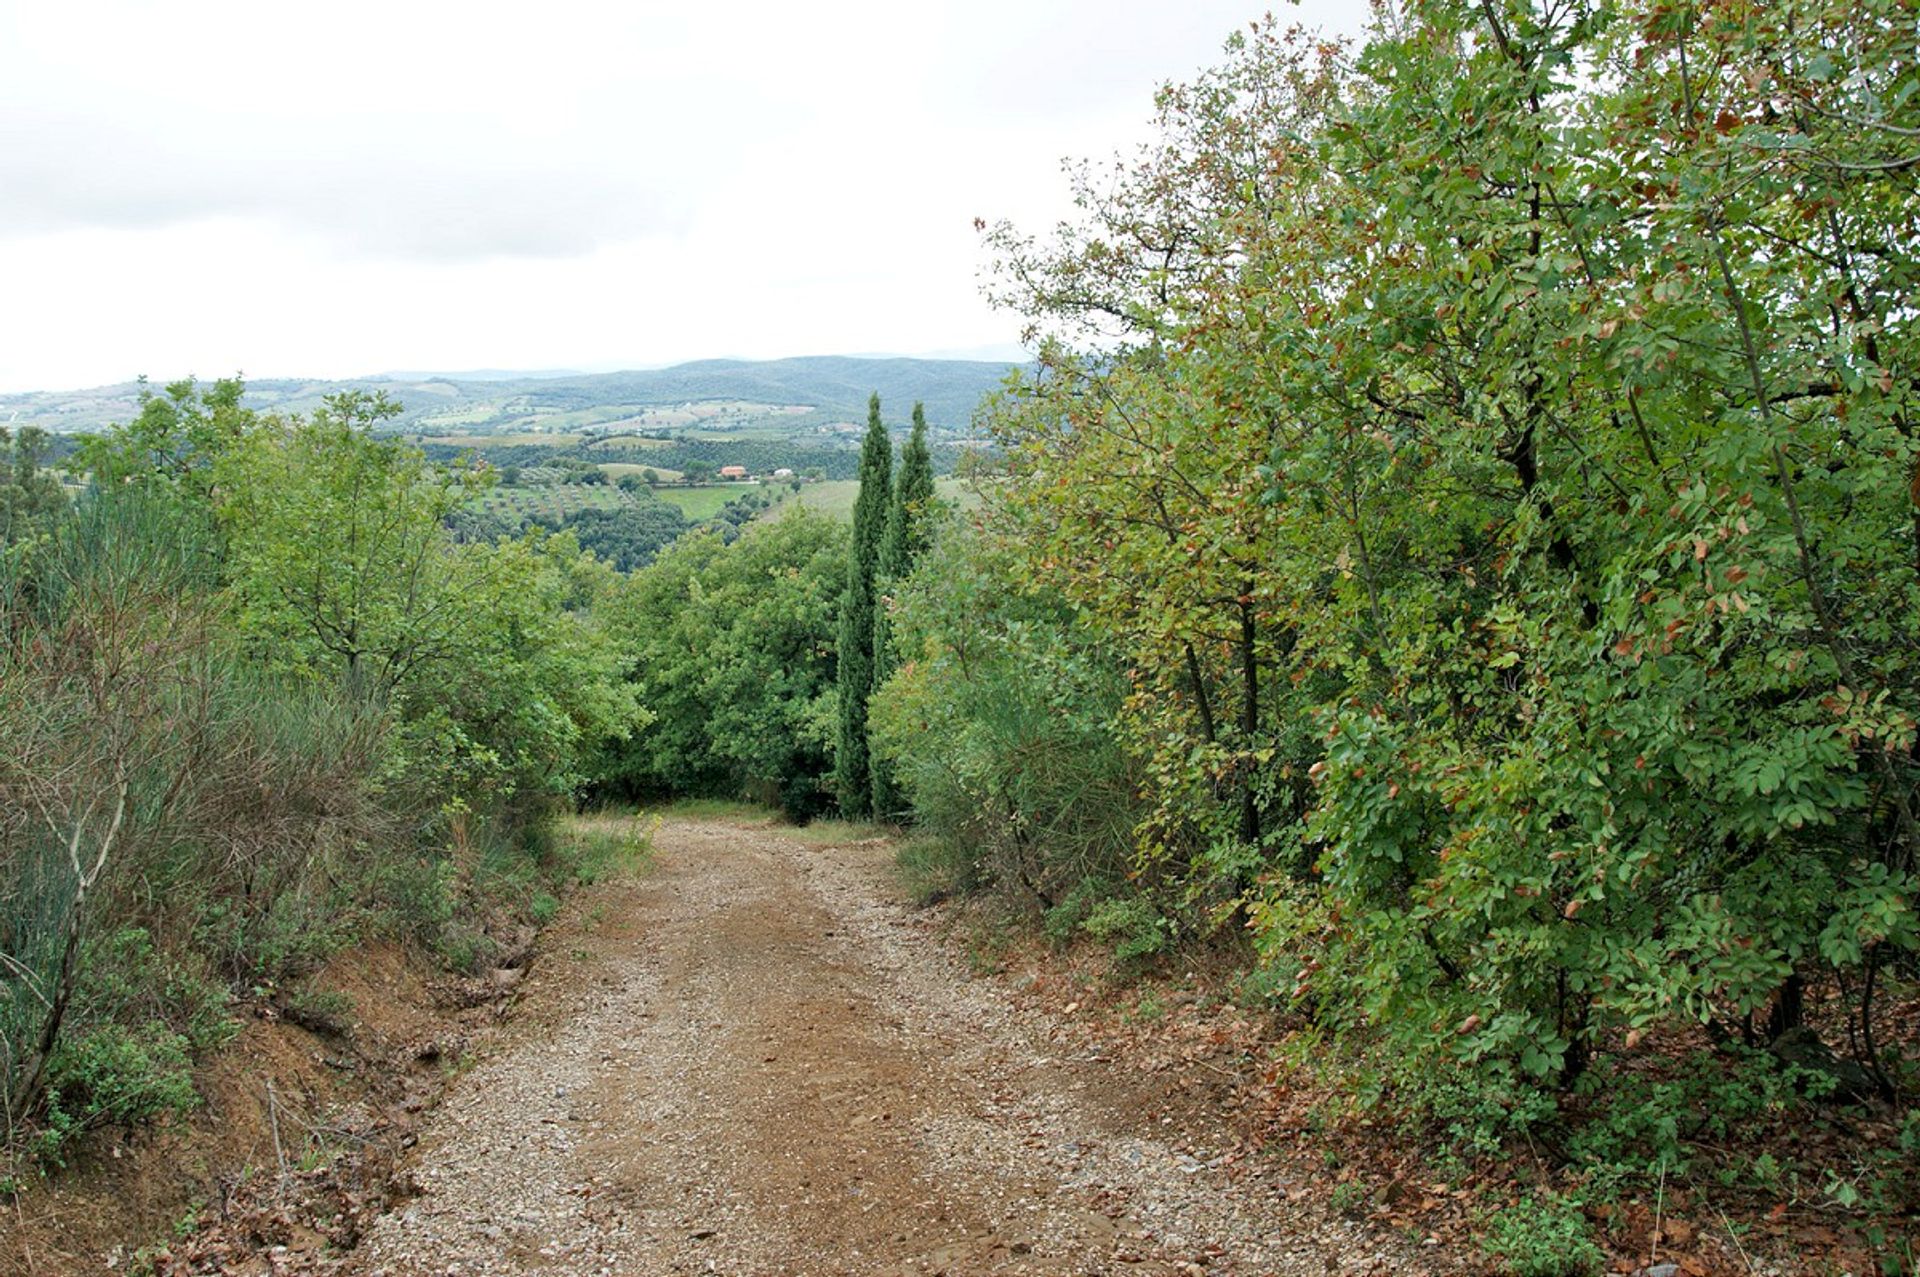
145,1010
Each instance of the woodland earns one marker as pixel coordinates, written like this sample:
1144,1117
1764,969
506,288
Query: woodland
1455,559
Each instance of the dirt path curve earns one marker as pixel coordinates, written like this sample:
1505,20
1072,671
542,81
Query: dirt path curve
757,1060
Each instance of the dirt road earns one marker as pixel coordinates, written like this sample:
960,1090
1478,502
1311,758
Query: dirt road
754,1058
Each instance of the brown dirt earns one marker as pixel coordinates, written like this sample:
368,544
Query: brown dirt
755,1058
277,1092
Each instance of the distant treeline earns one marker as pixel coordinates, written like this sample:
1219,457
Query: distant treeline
759,456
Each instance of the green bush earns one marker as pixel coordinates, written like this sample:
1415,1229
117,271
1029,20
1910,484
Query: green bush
1132,925
732,647
1642,1117
415,893
286,936
997,725
935,869
465,948
1543,1237
119,1074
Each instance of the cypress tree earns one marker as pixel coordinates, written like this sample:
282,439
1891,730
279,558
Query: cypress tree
908,519
850,766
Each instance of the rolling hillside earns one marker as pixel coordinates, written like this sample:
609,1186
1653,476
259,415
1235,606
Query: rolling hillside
822,397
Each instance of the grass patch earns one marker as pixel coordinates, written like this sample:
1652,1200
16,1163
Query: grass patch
618,470
936,869
591,847
828,833
716,809
704,502
834,497
491,440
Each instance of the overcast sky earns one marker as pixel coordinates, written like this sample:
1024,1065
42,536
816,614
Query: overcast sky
346,188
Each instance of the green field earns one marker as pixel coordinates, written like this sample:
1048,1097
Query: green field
616,470
560,440
552,502
705,501
836,496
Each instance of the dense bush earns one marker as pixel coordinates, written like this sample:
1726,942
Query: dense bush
731,645
150,777
997,726
1543,1238
1490,458
255,703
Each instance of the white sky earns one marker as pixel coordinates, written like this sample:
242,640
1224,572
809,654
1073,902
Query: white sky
209,187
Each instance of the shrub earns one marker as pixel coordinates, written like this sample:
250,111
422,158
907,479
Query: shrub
1543,1237
120,1074
1350,1199
327,1011
1132,925
997,724
937,868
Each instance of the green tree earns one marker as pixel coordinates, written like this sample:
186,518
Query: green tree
339,552
629,536
1493,458
31,498
176,441
909,516
346,573
732,652
999,725
852,777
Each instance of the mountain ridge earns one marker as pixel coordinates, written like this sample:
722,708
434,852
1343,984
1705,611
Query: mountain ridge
804,392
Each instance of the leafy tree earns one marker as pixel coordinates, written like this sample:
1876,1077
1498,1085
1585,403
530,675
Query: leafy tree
345,571
909,516
628,537
176,441
998,724
508,720
732,651
339,552
852,778
1492,457
31,498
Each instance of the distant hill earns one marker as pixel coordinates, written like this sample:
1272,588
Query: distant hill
823,396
